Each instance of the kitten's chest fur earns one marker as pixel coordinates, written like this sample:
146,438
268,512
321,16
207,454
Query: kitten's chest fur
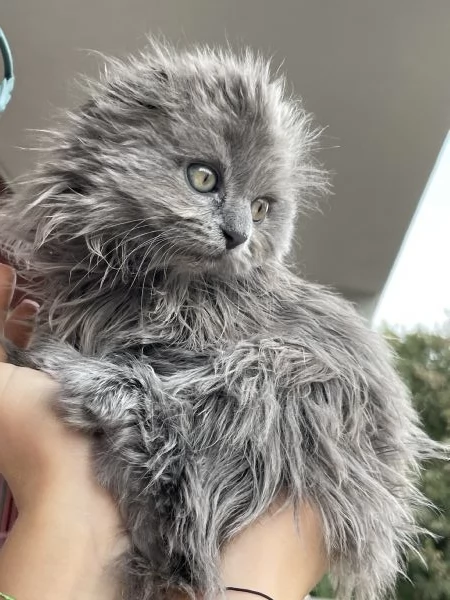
174,323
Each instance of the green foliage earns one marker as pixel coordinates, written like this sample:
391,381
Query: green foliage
324,589
424,364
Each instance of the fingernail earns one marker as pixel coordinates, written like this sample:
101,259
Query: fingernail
32,303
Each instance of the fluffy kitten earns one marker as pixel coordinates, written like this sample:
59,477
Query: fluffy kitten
212,379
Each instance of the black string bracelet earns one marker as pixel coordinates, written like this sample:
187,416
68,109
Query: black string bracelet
236,589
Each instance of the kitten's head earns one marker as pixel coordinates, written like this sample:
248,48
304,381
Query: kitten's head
195,161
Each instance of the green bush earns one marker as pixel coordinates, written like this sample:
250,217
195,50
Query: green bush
424,364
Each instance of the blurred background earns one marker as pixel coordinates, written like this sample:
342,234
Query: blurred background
377,77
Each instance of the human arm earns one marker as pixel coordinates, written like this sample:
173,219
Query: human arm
68,530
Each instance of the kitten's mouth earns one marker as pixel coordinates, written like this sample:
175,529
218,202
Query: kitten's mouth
233,261
224,255
214,260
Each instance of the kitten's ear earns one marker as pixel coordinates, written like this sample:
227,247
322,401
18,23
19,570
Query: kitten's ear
162,75
142,92
161,79
88,108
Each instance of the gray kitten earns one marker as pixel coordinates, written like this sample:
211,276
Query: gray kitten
212,379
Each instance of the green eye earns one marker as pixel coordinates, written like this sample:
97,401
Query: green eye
202,178
260,208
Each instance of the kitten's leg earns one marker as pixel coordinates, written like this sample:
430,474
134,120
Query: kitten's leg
144,457
97,394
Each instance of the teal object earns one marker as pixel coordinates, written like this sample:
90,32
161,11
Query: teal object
7,85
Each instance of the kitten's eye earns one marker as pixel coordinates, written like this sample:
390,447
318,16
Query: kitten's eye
260,208
202,178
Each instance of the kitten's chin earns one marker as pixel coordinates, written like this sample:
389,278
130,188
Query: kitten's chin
231,265
225,264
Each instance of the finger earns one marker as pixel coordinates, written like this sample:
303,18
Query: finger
21,322
7,285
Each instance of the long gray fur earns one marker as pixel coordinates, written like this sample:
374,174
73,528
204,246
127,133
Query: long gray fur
213,383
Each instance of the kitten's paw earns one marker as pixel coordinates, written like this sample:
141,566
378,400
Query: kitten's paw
99,397
75,404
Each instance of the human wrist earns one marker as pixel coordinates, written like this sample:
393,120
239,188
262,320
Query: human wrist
84,510
80,543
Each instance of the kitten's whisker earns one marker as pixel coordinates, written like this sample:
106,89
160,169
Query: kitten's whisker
150,249
101,255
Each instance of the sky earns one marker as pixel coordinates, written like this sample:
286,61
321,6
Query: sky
417,292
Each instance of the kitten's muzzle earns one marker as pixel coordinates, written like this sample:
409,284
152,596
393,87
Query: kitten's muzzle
233,238
236,224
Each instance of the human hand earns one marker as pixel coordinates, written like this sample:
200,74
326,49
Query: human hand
38,454
48,468
282,554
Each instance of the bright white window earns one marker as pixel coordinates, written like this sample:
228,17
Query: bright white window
417,293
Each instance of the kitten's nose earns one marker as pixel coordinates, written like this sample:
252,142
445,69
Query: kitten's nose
233,238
